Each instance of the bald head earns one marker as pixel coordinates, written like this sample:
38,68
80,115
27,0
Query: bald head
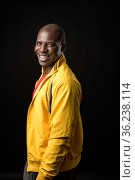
57,30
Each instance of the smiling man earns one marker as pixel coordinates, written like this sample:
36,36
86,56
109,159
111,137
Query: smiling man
54,125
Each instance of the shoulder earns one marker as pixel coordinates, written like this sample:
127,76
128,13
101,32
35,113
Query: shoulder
65,77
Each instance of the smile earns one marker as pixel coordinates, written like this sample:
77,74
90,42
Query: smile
41,57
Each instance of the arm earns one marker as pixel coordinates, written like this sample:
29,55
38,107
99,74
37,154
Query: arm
64,116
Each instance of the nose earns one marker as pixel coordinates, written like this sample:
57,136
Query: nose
43,49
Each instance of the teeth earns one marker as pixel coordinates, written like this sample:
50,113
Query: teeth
44,57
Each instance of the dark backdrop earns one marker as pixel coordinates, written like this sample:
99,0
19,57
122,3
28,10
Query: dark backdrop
92,29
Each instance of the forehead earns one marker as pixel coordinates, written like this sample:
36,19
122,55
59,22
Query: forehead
48,36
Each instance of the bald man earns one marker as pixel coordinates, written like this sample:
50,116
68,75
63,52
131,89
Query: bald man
54,125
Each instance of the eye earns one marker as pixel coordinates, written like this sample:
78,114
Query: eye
50,44
38,43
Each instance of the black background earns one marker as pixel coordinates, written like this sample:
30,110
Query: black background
92,29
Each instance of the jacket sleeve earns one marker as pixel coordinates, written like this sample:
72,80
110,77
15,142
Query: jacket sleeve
65,111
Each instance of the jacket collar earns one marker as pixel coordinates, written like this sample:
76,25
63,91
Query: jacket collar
55,68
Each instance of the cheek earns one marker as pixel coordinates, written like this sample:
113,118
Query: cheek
35,49
56,51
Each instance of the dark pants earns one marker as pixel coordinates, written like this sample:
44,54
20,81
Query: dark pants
66,175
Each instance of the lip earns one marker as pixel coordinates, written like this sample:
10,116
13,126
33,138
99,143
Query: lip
43,57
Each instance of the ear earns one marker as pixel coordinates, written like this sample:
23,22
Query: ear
63,47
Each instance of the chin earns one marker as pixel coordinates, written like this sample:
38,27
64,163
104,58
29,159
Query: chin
45,65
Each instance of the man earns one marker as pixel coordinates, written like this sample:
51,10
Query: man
54,126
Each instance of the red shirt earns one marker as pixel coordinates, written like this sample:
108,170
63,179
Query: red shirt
39,82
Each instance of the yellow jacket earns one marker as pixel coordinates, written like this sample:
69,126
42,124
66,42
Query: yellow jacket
54,141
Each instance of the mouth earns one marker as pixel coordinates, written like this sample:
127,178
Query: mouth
42,57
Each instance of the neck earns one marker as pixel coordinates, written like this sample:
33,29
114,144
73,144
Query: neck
47,70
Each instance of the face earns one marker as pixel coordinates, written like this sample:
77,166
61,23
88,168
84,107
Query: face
47,48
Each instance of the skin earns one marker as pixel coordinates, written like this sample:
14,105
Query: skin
48,47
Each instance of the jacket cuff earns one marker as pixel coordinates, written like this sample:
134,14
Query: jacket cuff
42,177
